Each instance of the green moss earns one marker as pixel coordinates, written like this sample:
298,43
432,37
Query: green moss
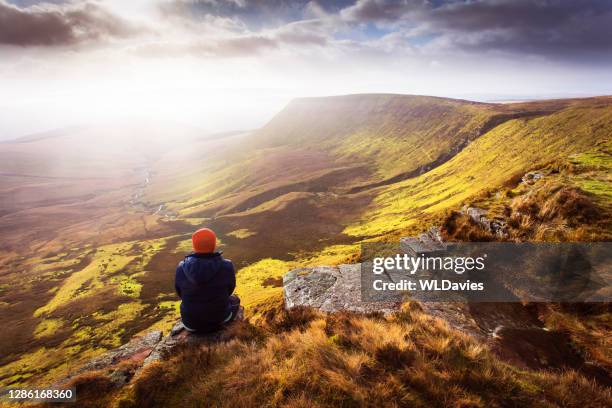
108,332
184,246
107,260
250,279
48,327
241,233
170,305
593,159
597,187
128,286
45,364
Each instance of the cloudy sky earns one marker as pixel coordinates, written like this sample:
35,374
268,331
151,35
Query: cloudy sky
231,64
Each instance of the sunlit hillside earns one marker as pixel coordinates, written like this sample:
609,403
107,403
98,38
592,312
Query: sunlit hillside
96,220
302,358
505,152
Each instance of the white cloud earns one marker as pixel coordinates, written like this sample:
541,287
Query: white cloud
220,72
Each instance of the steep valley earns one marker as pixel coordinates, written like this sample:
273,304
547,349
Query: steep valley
94,220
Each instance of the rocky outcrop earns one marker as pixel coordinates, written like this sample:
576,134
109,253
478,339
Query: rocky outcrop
531,177
117,364
179,335
337,288
137,348
429,242
120,365
479,216
512,330
330,289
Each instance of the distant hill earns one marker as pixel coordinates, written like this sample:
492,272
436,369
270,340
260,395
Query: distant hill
350,140
393,134
362,147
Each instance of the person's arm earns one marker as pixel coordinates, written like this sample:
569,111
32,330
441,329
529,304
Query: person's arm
176,278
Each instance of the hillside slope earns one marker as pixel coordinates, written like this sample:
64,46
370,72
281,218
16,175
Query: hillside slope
96,267
509,149
303,358
349,141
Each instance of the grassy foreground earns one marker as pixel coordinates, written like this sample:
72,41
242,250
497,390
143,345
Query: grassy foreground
305,359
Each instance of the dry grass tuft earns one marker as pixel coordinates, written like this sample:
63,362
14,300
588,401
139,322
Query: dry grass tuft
572,205
555,213
93,390
278,319
547,212
350,360
459,227
589,326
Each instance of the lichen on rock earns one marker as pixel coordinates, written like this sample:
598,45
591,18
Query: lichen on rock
330,289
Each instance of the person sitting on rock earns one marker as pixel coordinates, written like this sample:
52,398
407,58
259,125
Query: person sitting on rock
205,282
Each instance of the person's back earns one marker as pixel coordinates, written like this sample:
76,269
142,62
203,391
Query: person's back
205,283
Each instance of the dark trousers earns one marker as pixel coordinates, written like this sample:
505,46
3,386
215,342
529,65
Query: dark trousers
234,307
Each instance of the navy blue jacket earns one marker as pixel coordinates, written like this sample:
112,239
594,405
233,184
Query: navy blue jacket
204,283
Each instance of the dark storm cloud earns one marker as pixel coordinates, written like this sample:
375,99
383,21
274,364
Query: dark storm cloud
558,28
52,25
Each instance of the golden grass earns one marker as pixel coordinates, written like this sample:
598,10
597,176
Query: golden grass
83,282
112,271
48,327
409,359
589,331
241,233
487,163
